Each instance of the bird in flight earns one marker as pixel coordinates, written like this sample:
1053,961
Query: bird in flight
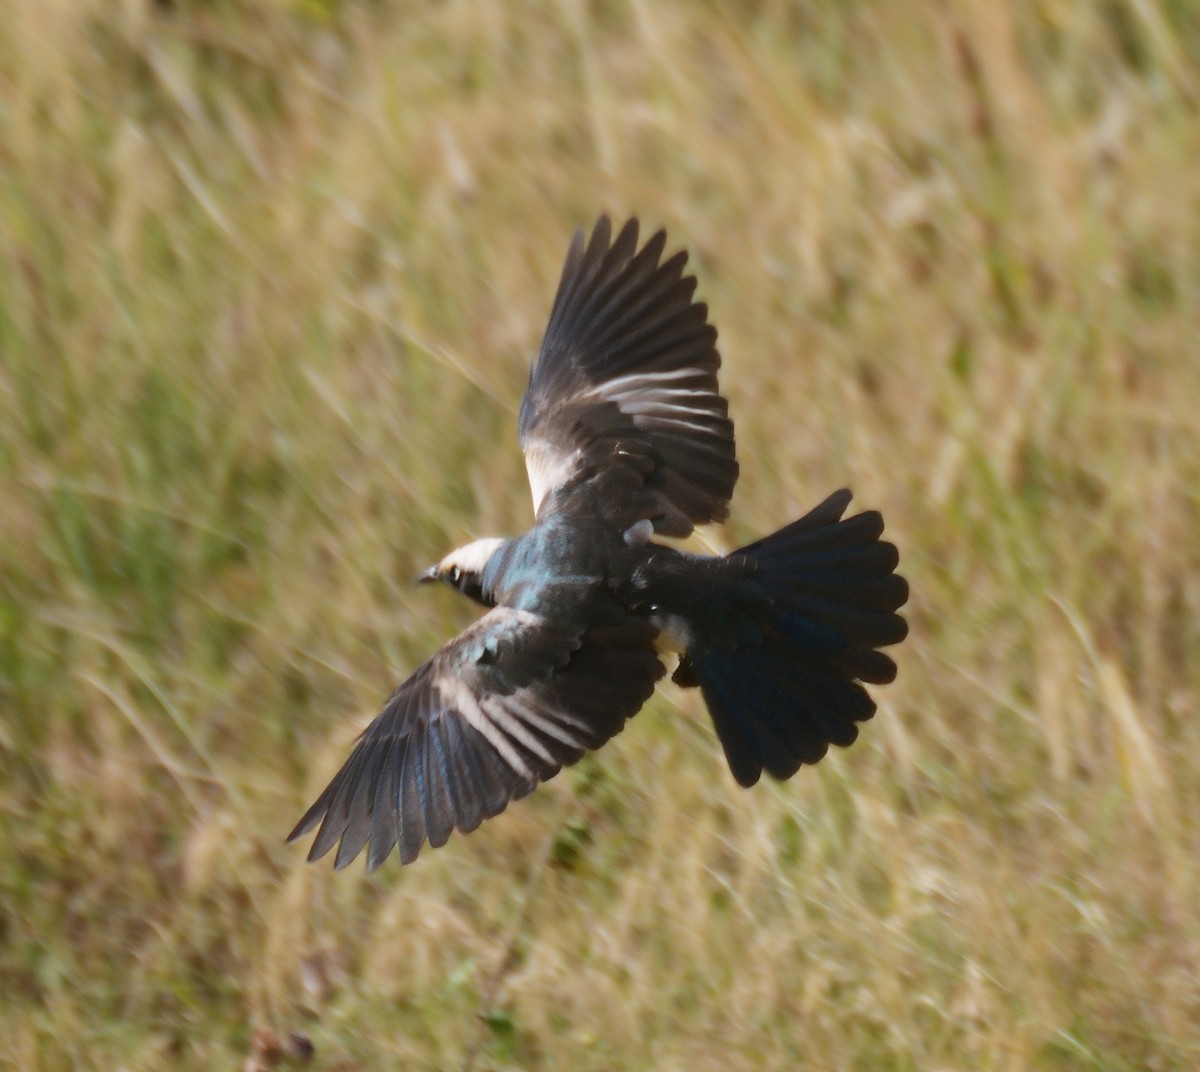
626,437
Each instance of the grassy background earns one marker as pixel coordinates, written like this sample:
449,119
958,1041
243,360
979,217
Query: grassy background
270,277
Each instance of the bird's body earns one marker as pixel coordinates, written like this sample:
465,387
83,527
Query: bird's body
626,436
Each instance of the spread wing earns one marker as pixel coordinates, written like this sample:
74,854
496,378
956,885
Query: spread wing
627,377
502,707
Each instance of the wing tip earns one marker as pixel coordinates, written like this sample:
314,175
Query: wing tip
308,820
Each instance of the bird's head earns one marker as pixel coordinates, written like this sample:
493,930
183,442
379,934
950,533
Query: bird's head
463,568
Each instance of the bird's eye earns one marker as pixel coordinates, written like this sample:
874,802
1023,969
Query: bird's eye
455,574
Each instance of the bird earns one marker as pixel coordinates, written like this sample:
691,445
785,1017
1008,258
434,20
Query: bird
627,440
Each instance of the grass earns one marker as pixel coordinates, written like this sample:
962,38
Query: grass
270,277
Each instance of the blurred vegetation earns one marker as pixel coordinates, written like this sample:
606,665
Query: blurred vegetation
270,277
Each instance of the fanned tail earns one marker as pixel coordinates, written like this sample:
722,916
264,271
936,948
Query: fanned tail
831,596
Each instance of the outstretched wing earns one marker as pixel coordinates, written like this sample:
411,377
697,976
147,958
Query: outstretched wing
502,707
627,376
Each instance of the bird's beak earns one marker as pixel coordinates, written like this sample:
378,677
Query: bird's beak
428,575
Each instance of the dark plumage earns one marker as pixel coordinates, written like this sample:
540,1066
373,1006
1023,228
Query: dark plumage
625,436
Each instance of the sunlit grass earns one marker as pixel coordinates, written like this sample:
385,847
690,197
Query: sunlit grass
270,278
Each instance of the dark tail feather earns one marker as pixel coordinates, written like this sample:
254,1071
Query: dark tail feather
833,595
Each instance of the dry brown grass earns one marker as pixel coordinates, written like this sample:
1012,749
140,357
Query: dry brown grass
270,277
